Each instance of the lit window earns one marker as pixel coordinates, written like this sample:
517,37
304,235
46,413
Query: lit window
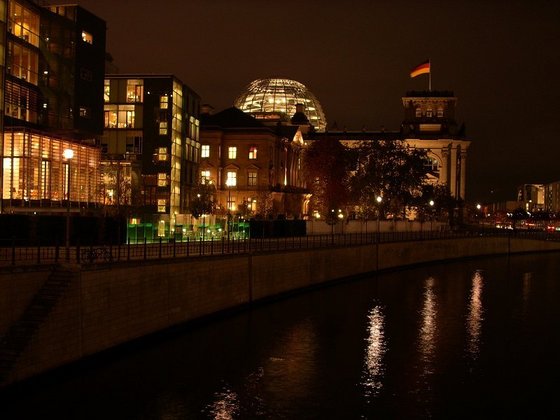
111,116
87,37
232,152
164,101
431,164
126,116
440,112
231,203
205,151
162,154
134,90
161,203
252,178
253,152
429,112
161,228
162,180
418,112
106,90
204,176
231,179
163,128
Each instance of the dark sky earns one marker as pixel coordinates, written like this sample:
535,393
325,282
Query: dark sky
501,58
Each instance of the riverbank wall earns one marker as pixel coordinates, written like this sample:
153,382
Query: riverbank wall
96,308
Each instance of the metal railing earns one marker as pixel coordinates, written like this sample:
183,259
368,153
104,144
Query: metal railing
17,254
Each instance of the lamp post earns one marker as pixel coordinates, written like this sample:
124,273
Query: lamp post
379,199
478,207
229,184
431,203
332,221
202,215
68,154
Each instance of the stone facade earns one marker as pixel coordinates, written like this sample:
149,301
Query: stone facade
256,168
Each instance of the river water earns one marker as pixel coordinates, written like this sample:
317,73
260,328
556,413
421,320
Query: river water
471,339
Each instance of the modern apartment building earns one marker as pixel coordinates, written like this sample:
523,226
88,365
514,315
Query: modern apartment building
52,102
150,148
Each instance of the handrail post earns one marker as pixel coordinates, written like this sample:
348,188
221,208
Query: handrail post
145,248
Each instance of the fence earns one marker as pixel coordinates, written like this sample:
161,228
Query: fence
15,255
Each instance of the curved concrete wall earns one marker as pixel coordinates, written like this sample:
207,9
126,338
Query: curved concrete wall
111,305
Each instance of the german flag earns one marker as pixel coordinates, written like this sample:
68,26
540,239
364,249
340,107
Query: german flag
423,68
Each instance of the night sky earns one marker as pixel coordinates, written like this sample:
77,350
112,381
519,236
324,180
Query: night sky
501,58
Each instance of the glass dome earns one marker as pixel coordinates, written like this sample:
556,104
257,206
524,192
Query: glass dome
270,98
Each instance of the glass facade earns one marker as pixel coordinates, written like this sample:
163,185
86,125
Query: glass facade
176,148
266,98
119,116
3,45
34,168
116,183
157,116
24,23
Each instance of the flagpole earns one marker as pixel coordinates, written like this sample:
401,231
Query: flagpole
430,77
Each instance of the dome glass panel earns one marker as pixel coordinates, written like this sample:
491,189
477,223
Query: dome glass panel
263,98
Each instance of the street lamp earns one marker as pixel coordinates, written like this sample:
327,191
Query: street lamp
431,203
478,207
379,199
229,183
332,221
202,215
68,154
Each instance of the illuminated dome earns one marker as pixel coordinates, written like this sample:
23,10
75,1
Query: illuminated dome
275,98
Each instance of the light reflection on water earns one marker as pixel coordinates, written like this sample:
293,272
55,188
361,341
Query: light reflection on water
285,374
428,327
474,317
225,406
375,350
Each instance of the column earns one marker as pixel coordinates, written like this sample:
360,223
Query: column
453,173
463,173
443,171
